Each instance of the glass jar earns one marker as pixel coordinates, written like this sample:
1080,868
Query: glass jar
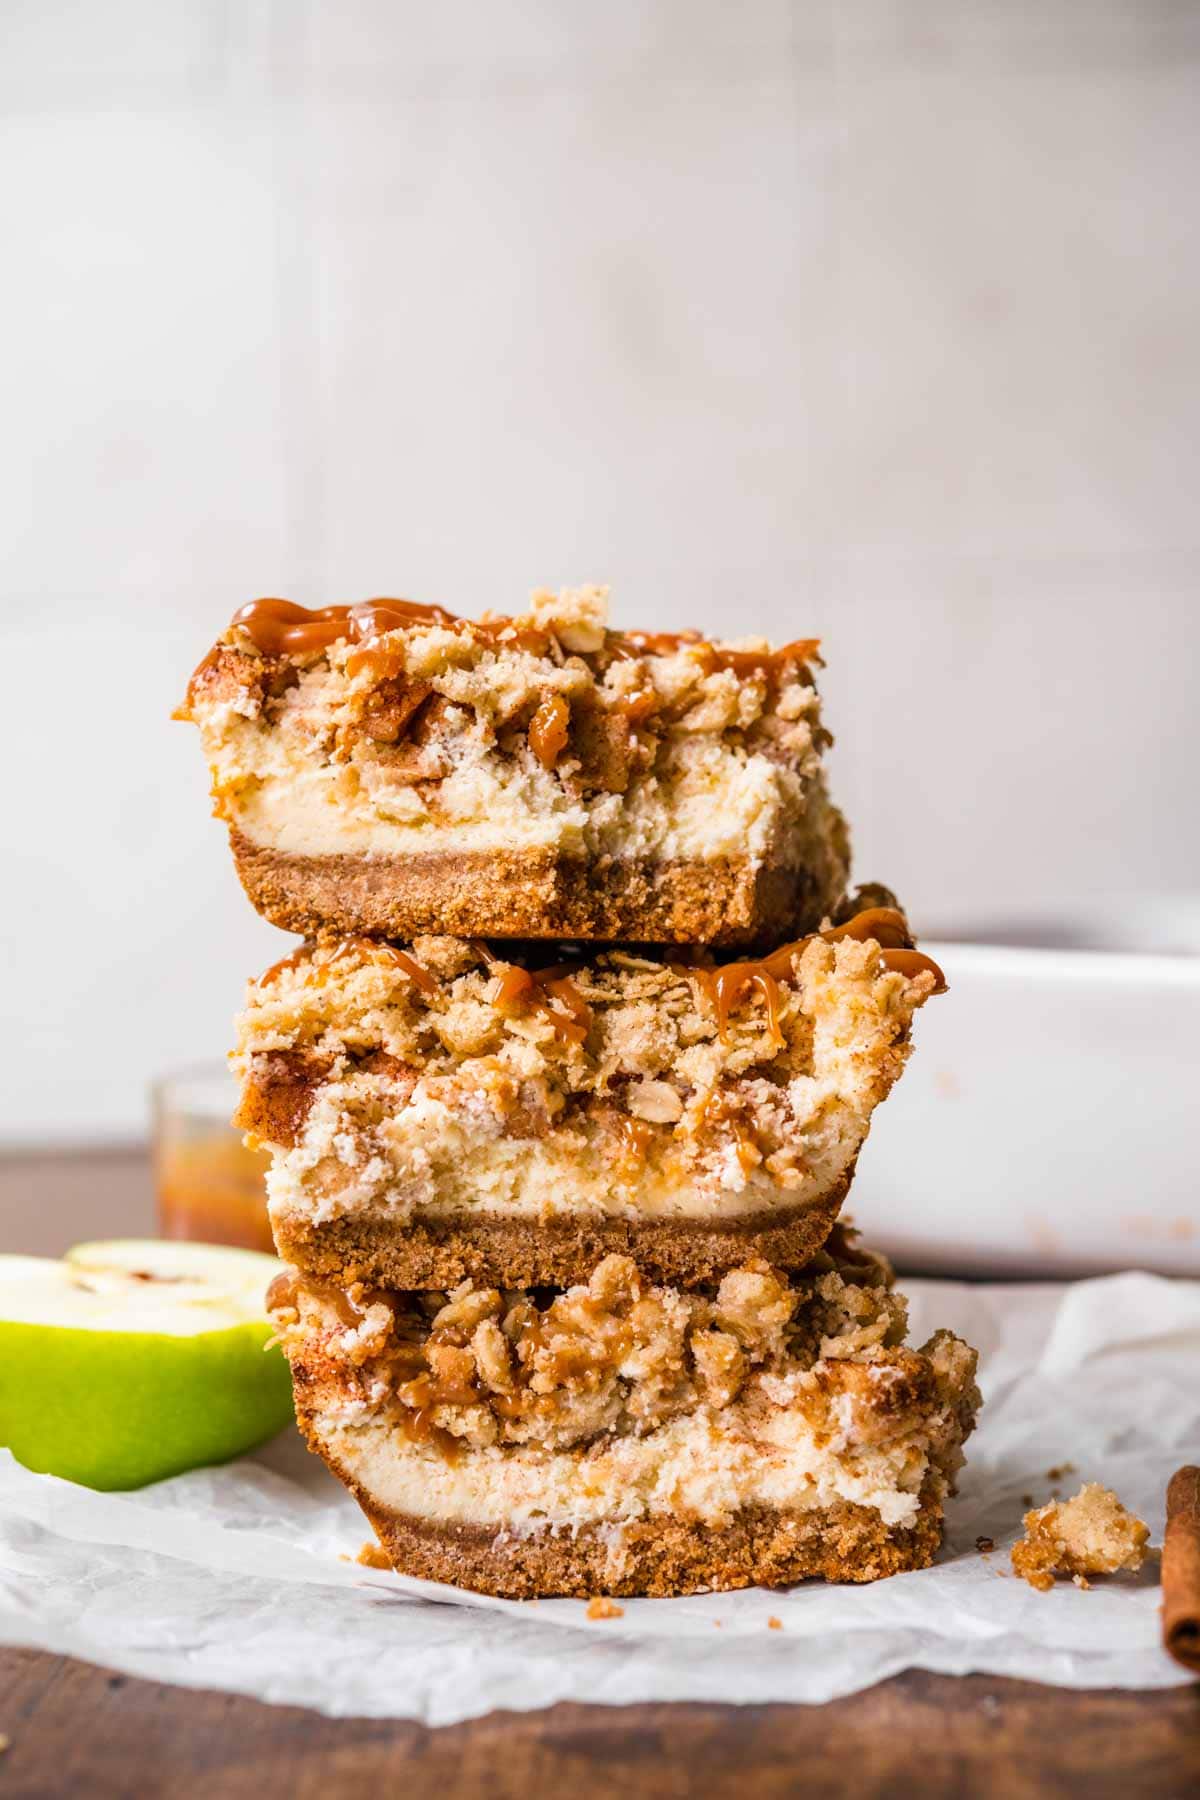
209,1187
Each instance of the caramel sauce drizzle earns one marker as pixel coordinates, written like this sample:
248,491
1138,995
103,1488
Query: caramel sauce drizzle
625,645
549,729
552,992
282,628
283,1290
910,963
421,1393
285,964
549,991
639,705
286,1288
565,1358
420,977
726,985
888,927
636,1136
420,1399
422,980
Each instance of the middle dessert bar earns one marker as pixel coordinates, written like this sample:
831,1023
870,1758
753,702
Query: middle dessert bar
446,1112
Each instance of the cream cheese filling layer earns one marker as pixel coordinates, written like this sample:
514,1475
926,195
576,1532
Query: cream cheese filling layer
435,1166
704,1466
712,803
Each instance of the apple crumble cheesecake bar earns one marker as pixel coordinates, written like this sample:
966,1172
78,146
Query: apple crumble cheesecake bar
621,1437
394,770
449,1111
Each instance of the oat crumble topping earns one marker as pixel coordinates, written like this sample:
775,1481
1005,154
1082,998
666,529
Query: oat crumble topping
614,1356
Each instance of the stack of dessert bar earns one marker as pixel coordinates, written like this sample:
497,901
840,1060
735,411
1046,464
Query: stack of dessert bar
563,1094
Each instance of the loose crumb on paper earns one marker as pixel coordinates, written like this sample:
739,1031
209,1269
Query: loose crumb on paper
374,1556
1090,1534
984,1544
1060,1470
774,1624
601,1607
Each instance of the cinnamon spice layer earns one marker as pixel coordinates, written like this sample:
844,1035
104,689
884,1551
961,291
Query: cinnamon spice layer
373,763
446,1109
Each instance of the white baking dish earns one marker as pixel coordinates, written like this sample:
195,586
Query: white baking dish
1048,1122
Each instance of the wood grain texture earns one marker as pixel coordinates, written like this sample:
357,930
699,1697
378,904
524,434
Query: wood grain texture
76,1730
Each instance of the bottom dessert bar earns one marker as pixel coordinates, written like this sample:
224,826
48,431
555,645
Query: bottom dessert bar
623,1438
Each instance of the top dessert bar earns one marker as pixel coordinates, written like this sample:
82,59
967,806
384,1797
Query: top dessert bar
390,769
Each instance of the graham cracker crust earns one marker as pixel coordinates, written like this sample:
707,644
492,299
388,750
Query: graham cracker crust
514,1253
659,1557
536,894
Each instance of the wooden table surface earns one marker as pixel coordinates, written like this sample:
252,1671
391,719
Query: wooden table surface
74,1730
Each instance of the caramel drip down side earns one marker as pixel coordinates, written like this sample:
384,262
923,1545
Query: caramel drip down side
911,963
550,991
284,1294
726,985
420,977
885,924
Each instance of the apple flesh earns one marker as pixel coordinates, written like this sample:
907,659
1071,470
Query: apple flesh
133,1360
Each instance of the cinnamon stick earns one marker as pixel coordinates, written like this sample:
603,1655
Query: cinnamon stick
1181,1569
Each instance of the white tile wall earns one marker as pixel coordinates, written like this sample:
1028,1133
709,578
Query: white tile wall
1018,278
874,318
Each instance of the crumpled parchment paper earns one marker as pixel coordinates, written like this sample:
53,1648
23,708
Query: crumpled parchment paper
231,1578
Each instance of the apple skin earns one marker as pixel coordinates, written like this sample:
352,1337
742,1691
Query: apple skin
120,1409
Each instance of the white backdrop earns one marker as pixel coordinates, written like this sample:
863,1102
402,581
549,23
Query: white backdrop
874,319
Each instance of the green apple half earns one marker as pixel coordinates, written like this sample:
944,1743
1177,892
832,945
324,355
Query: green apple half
130,1361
